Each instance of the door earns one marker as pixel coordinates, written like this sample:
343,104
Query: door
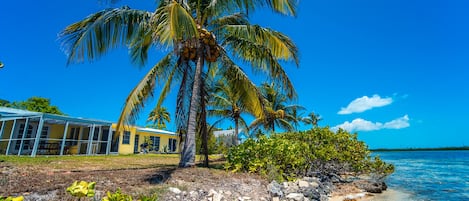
24,143
136,144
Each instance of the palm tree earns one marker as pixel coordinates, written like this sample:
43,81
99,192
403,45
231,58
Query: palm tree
199,32
159,116
228,102
312,119
277,111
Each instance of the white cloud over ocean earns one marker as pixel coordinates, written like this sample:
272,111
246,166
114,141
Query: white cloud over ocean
365,103
365,125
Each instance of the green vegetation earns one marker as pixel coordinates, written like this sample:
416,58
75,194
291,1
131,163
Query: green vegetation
82,189
85,189
159,116
295,154
35,104
20,198
117,196
278,113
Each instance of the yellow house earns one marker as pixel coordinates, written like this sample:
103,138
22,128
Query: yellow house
159,141
34,133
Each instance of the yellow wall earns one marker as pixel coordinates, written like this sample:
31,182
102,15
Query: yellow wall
129,148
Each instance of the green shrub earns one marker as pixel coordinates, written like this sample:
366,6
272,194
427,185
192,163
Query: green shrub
20,198
117,196
82,189
295,154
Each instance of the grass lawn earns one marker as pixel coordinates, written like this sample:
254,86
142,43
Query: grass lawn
87,163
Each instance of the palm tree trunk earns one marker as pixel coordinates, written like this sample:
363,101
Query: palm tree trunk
203,122
235,143
188,150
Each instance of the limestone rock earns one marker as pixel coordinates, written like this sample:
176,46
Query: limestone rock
296,196
174,190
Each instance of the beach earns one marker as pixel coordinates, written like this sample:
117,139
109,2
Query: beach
388,195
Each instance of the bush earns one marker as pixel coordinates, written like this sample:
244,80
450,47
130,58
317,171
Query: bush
308,153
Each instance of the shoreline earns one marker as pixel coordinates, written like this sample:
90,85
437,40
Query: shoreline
387,195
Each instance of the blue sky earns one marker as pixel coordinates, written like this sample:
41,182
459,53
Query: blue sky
395,71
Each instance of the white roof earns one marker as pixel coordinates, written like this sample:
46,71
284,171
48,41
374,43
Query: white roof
154,130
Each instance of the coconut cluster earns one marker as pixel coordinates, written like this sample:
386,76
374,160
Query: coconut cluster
212,51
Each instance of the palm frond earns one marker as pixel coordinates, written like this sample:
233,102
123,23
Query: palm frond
173,23
285,7
263,49
278,44
137,98
249,93
139,45
93,36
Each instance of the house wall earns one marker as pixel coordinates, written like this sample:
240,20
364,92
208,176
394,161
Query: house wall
129,148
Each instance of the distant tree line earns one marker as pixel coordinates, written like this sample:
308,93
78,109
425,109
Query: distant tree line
35,104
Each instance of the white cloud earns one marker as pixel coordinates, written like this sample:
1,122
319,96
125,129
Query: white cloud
365,103
365,125
398,123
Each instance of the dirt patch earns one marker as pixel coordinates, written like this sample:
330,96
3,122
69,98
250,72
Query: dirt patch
42,184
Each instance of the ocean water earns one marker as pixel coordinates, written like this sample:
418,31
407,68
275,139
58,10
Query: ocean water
429,175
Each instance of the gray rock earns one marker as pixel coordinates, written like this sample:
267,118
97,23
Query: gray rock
303,184
314,184
174,190
373,187
296,196
275,189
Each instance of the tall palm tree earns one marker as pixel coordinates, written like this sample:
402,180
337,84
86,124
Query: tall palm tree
227,102
159,116
198,32
277,111
312,119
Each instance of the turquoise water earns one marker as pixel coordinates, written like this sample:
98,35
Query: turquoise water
430,175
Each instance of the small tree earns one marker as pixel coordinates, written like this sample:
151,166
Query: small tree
35,104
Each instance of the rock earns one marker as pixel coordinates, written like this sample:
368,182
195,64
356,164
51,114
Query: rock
275,199
174,190
275,189
372,187
296,196
314,184
193,194
212,192
217,197
303,184
311,193
291,189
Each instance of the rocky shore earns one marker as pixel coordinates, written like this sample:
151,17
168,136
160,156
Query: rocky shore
305,189
188,184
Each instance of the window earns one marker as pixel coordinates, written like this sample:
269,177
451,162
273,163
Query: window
74,134
155,146
126,139
172,145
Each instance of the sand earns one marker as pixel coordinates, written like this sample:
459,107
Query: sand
388,195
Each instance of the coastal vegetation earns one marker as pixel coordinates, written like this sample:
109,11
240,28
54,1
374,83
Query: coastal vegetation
317,152
35,104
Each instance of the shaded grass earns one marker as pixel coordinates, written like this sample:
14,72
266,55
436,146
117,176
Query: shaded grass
101,162
86,163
